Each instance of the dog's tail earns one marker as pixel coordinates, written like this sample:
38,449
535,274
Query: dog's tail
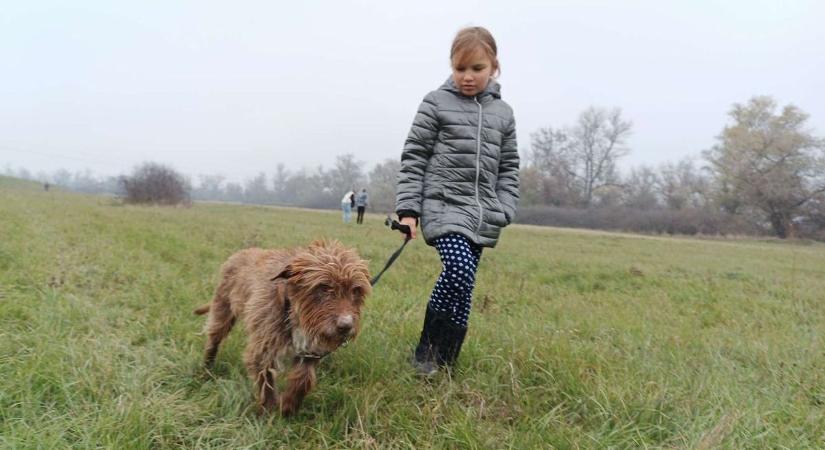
203,309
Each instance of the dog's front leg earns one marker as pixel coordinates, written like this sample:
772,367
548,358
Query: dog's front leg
300,381
267,391
262,370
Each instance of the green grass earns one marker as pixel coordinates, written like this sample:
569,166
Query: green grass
577,340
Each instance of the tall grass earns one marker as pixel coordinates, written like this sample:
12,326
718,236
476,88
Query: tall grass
577,339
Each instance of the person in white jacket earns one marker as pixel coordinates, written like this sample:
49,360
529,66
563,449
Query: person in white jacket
346,205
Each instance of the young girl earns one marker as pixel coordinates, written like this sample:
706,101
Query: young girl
459,178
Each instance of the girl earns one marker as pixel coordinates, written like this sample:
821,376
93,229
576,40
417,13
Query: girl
459,178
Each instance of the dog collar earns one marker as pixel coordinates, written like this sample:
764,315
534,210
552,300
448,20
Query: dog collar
302,357
307,356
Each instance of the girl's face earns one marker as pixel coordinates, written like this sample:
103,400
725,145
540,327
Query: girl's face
472,73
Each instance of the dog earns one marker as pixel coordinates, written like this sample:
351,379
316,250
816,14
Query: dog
297,305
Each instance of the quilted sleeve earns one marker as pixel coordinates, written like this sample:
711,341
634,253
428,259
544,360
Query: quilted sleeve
507,186
417,151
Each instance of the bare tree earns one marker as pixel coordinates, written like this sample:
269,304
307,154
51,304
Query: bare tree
279,181
347,173
382,185
531,187
770,161
640,188
311,188
234,192
255,190
550,176
681,185
599,142
582,159
209,187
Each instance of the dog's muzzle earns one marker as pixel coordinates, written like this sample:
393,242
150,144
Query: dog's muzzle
345,325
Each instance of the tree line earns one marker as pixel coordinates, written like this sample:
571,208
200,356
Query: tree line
764,175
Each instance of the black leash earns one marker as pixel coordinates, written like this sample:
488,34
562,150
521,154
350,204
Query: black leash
394,225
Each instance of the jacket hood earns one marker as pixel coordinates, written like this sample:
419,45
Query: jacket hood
493,88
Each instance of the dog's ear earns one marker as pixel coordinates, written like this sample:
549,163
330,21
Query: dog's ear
285,273
317,244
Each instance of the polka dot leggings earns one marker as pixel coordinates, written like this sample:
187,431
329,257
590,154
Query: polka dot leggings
453,292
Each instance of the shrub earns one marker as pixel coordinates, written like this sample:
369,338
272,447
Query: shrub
153,183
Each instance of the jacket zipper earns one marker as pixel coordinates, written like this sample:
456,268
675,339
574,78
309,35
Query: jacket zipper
478,164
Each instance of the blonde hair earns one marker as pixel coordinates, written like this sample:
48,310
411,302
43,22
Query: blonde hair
470,40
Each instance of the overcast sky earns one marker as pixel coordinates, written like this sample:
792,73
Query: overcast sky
237,87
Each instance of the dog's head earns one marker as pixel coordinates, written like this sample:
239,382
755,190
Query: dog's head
327,284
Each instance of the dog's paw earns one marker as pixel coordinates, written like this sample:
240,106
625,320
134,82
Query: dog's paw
266,409
269,403
288,407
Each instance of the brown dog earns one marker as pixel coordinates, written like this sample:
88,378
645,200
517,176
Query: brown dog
298,305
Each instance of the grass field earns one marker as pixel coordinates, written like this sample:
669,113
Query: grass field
577,339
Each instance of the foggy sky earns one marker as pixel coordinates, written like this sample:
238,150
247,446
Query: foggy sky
237,87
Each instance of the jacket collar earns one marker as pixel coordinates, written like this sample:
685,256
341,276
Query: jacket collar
493,89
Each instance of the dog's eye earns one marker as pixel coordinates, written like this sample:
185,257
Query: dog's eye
358,294
322,291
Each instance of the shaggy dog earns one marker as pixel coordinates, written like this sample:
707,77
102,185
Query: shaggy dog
297,305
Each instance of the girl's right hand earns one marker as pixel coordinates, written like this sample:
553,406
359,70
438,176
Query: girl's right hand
410,222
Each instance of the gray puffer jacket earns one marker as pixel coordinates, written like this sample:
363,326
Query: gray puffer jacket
460,165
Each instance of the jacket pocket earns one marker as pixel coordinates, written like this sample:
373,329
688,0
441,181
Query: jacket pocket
494,217
432,210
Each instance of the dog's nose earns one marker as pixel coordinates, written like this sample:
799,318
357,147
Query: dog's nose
345,323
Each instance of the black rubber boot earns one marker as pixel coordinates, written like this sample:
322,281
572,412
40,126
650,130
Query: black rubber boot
426,353
452,338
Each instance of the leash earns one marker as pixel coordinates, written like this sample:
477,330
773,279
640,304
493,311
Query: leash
394,225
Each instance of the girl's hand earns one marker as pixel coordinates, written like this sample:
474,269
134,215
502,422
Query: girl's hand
410,222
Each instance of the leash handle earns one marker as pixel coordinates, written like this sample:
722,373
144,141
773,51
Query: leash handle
395,225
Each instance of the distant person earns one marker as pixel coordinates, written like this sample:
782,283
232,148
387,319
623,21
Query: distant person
361,202
460,178
346,205
46,187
